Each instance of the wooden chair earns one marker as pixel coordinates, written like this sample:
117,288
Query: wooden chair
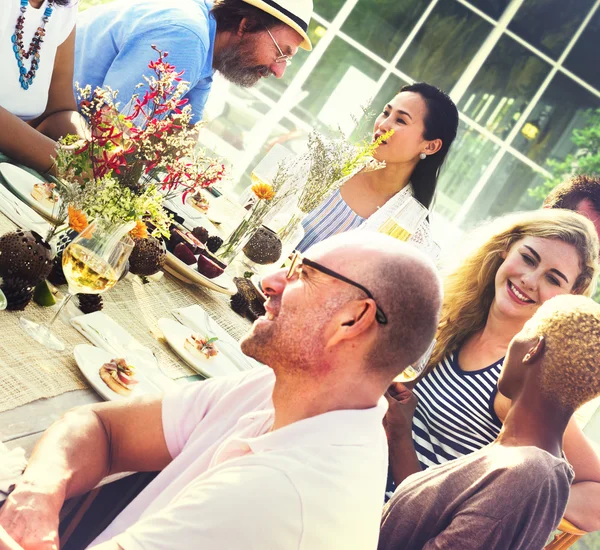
567,536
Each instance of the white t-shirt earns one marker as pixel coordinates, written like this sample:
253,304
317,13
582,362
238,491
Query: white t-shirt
31,103
316,484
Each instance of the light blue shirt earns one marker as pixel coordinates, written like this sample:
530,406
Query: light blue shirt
113,46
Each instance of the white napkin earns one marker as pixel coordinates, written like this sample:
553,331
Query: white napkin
107,334
195,318
21,214
12,464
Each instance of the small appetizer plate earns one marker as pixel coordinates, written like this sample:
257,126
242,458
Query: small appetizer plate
189,274
22,182
89,360
198,320
175,334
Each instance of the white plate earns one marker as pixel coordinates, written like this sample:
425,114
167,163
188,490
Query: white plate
189,274
175,334
22,182
198,320
89,360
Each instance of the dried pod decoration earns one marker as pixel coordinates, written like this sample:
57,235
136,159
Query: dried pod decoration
264,247
147,257
25,260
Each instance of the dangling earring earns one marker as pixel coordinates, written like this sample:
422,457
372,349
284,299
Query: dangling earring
422,156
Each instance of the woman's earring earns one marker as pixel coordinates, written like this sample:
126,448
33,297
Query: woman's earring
422,156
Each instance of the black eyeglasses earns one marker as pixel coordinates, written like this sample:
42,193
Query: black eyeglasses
298,261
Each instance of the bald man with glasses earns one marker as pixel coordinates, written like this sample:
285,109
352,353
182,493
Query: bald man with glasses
290,455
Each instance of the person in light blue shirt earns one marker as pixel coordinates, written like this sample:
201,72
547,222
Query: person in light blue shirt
245,40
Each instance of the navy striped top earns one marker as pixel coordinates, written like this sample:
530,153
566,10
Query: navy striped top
455,413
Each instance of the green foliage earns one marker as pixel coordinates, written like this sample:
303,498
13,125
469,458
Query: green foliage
585,160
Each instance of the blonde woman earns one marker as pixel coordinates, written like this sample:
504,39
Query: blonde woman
515,265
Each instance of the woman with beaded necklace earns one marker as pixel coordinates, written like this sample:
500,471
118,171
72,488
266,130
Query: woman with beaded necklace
37,105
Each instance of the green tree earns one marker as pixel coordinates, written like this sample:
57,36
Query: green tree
585,159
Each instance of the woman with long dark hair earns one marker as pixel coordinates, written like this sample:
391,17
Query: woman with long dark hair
37,105
425,121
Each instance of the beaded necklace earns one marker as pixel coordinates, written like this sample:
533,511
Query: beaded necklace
26,77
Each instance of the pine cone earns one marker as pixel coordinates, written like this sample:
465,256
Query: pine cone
214,243
239,304
88,303
56,276
147,257
255,310
18,293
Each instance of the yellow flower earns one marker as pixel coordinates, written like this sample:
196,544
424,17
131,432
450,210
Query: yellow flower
140,231
77,219
263,191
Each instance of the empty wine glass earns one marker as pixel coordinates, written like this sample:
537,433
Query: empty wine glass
92,264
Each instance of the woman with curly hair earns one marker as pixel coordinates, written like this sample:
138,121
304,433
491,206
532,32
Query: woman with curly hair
37,105
515,264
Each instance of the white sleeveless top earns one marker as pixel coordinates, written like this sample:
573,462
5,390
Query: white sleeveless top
31,103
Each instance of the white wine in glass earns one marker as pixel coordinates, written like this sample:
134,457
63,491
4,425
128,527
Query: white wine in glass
392,228
404,221
86,272
92,264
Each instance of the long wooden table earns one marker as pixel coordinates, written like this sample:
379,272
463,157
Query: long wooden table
23,425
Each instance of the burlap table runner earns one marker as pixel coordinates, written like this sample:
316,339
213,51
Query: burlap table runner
29,372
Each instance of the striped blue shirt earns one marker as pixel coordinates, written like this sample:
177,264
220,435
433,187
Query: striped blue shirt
455,413
334,216
331,217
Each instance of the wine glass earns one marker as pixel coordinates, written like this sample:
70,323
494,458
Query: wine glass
413,371
92,264
403,223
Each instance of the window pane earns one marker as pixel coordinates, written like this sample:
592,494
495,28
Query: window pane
506,191
564,107
327,8
504,86
343,81
584,59
445,44
493,8
388,91
383,25
549,24
469,155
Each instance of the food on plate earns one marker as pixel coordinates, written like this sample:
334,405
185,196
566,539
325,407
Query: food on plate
183,253
45,194
118,376
214,243
200,202
208,267
201,347
201,233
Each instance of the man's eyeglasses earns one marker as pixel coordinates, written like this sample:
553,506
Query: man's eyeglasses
281,58
298,261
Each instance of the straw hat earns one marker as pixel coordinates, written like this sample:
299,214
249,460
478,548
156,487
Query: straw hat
294,13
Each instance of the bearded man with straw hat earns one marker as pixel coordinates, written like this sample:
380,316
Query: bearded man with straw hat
245,40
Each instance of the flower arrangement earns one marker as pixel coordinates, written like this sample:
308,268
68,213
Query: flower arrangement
268,197
330,163
333,162
134,158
